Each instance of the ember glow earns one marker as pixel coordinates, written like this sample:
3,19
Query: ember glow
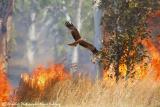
123,69
140,70
5,88
42,76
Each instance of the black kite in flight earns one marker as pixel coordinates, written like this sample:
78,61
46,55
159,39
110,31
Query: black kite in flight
78,40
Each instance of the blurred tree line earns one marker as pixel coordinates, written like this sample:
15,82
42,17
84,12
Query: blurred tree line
48,17
40,36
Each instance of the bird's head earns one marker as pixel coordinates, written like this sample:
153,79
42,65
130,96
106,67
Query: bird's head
69,25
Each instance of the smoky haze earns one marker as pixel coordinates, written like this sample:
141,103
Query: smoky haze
40,36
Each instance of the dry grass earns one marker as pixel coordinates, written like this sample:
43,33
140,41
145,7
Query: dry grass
84,93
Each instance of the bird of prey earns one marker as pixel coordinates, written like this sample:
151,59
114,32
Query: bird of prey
78,40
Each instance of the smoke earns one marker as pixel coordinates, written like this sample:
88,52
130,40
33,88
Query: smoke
41,38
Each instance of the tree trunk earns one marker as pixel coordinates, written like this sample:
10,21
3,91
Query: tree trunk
6,7
31,43
97,28
75,54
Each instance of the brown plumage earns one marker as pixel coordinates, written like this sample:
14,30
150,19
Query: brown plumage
78,40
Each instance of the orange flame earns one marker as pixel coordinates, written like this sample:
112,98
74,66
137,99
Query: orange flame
140,70
42,76
4,85
155,55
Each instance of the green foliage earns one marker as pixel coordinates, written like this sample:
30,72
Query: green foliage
124,19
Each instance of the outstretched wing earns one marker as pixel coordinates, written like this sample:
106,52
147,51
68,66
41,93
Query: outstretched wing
73,30
75,43
88,46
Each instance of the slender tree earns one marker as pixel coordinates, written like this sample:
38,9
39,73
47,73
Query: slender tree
77,15
6,9
32,35
97,30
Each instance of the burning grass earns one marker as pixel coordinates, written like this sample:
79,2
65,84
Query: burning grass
54,84
5,88
35,86
83,93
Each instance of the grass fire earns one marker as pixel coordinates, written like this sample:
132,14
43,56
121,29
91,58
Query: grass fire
5,87
41,76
